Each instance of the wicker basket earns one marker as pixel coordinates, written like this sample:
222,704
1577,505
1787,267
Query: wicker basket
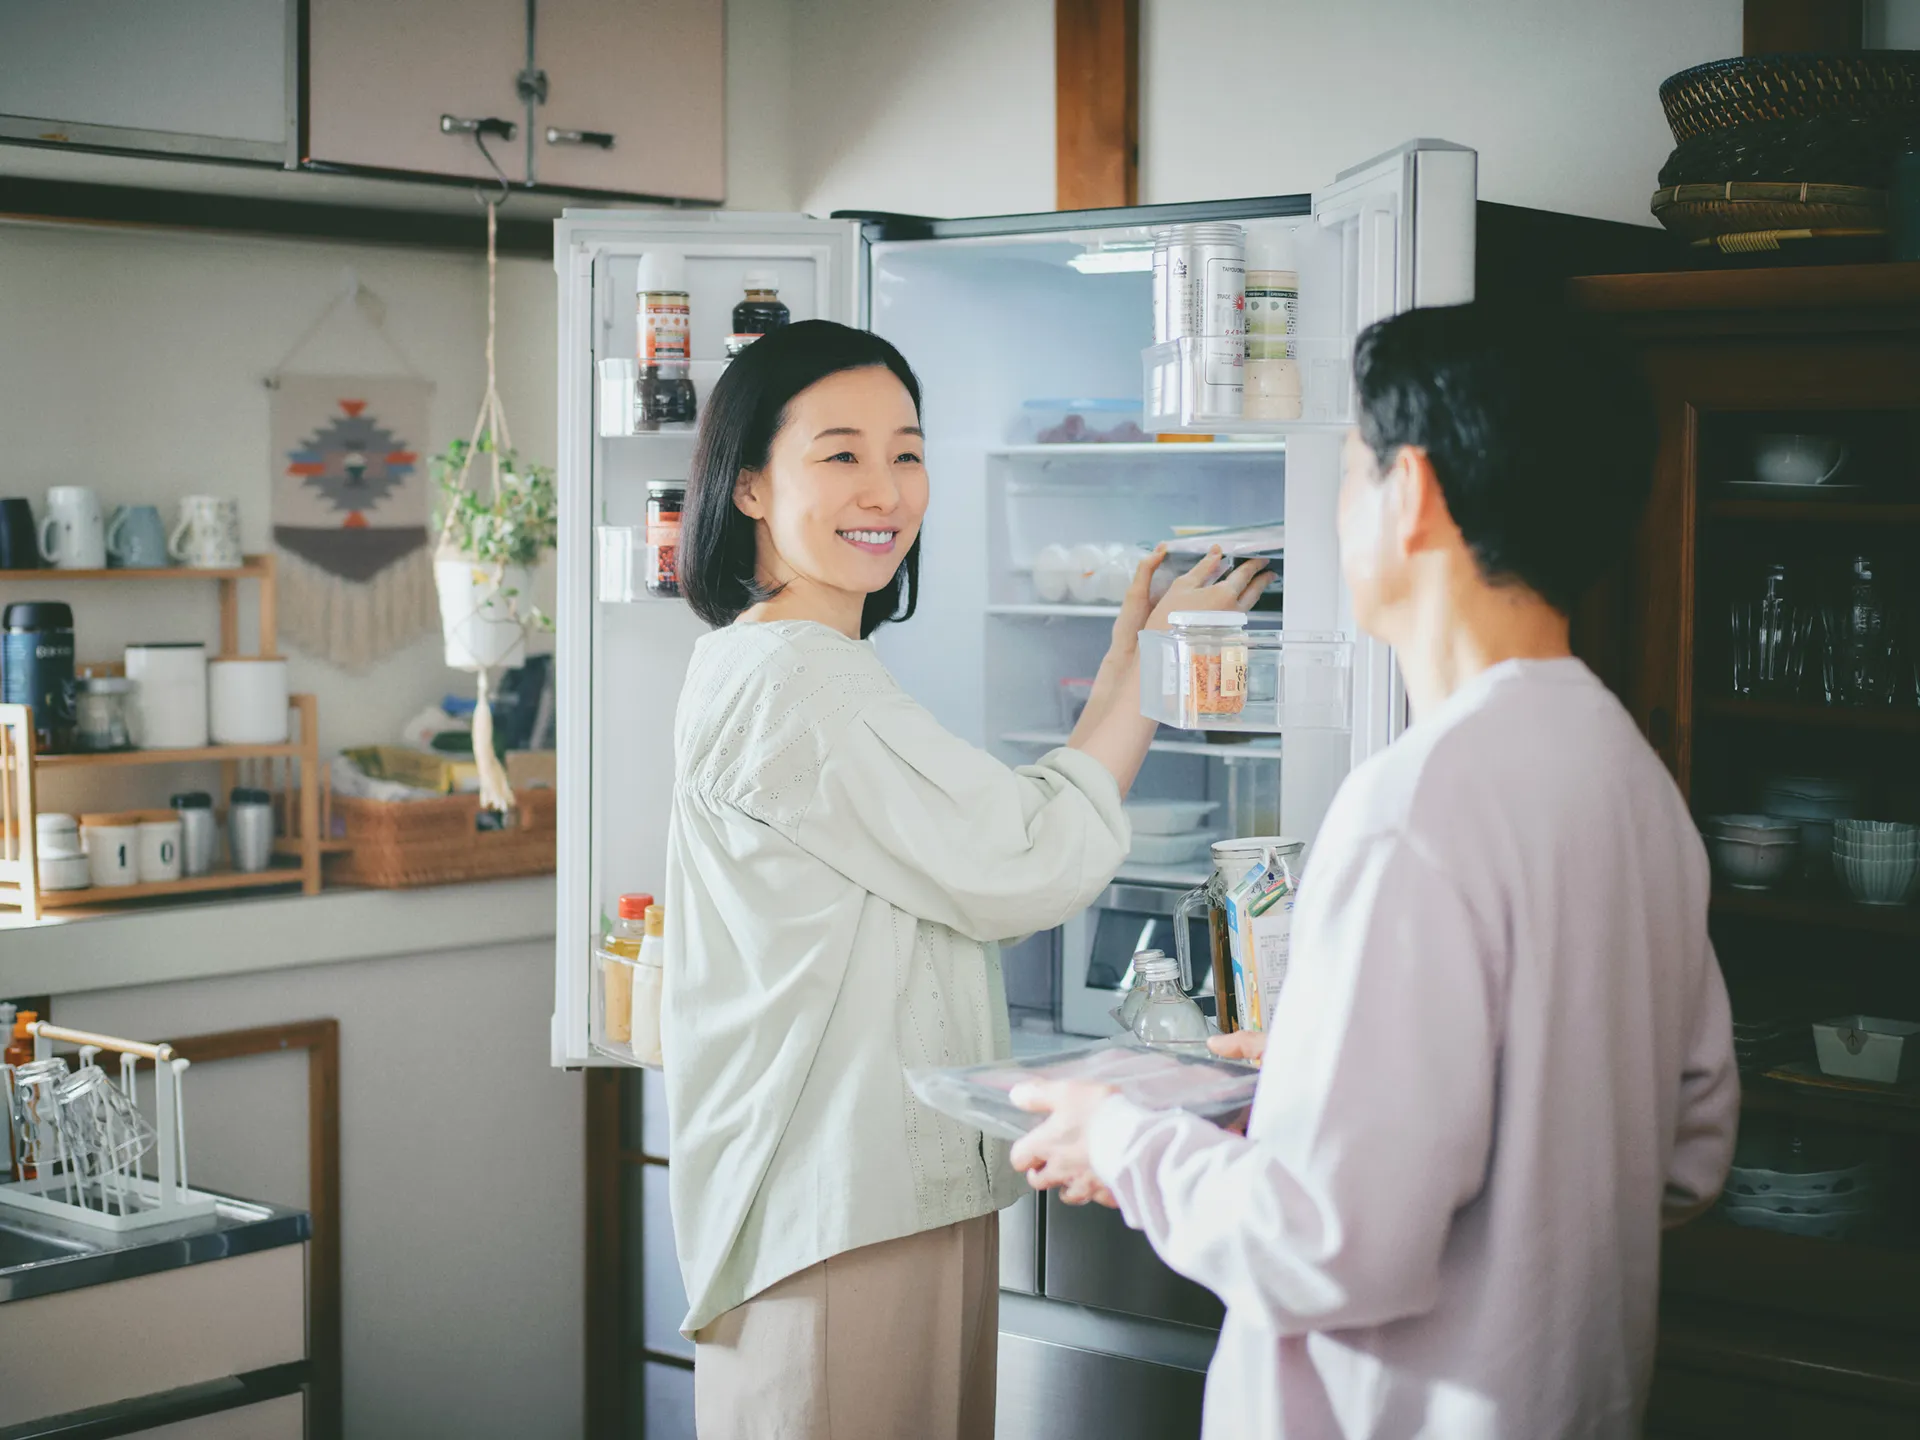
1747,88
1705,212
401,844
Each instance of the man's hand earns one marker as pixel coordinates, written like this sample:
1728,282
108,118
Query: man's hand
1055,1152
1240,1045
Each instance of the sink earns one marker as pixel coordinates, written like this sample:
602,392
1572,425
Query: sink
31,1247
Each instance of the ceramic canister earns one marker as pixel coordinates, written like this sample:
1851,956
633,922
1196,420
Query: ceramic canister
247,700
113,847
170,695
160,846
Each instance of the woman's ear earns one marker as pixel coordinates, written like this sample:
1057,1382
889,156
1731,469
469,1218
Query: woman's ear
749,496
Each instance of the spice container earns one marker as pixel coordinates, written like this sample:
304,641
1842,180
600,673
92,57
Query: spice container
36,668
665,500
1209,671
761,312
100,713
664,344
199,835
1273,311
1215,650
250,829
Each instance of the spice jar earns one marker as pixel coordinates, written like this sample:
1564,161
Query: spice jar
1212,645
100,713
665,499
663,315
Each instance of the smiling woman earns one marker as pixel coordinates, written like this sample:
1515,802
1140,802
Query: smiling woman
840,871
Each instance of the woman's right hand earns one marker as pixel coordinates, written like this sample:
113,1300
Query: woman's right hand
1198,590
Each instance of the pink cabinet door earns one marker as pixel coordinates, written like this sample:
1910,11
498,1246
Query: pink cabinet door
650,74
380,73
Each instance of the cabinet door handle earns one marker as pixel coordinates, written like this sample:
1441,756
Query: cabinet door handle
485,125
602,138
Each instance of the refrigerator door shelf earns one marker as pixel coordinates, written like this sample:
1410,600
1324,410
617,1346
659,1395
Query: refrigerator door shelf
1205,384
1288,681
618,414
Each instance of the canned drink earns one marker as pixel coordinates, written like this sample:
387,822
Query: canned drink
1200,294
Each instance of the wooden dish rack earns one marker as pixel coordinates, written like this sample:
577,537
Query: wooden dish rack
292,770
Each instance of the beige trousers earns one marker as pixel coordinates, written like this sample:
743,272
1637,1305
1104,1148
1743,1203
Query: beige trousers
895,1341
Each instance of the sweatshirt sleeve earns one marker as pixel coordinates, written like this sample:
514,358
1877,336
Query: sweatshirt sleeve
1709,1104
1366,1137
914,814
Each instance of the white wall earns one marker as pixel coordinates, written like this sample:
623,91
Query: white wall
462,1190
947,109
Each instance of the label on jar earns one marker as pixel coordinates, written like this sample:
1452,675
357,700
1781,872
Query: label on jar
1273,313
663,545
1233,673
36,668
664,327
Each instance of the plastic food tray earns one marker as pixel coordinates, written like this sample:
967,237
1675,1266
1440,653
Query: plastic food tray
1156,1077
1294,681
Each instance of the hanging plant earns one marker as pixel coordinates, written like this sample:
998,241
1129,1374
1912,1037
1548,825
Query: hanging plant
489,541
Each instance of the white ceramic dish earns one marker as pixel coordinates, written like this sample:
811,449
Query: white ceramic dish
1763,828
1753,864
1865,1047
1171,849
1752,1184
1169,817
1835,1225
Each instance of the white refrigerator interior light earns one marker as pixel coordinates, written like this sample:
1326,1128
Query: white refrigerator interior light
1119,260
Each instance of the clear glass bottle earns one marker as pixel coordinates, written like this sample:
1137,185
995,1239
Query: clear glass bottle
1865,652
1167,1016
1136,1000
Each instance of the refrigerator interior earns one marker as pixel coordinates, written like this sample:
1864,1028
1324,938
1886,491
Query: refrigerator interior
991,324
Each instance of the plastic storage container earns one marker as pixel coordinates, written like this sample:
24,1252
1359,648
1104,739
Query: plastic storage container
1079,422
1178,397
1206,673
1861,1047
1155,1077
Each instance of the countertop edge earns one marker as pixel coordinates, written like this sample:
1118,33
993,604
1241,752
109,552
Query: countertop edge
134,1255
247,936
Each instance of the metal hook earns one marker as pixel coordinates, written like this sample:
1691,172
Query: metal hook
506,186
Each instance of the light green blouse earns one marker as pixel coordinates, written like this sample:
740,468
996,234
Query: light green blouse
839,871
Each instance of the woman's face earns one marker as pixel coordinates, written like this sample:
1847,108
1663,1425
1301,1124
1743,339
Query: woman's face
840,501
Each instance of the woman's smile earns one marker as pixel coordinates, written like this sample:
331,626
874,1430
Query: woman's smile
878,541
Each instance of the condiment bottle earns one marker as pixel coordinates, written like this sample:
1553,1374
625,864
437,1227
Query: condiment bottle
664,343
629,931
1213,645
761,312
665,500
648,984
1136,1000
1273,308
20,1048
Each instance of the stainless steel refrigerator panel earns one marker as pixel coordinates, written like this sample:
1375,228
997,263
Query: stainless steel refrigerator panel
663,1298
1049,1391
1092,1258
1020,1245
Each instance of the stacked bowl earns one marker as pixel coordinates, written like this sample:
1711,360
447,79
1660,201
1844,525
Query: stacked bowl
1752,852
1815,801
1877,860
1829,1205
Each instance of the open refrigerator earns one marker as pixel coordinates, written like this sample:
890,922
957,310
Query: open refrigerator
1023,330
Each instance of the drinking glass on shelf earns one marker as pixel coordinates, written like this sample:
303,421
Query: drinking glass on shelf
1864,644
1763,634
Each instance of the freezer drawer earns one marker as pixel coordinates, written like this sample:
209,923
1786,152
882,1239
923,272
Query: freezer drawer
1092,1258
1051,1391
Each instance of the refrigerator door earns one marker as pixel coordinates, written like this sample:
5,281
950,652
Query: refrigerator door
1405,224
621,652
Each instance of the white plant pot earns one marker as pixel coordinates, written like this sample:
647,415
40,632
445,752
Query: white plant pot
477,619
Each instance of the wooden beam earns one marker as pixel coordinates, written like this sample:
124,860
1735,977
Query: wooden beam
1778,26
1096,68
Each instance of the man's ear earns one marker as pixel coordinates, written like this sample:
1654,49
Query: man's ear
1425,520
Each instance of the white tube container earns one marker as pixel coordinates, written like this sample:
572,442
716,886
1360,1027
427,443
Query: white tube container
247,700
169,710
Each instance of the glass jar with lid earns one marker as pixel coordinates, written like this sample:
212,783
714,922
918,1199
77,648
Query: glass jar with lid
100,712
1211,669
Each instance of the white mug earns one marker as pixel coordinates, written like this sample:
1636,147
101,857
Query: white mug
1798,459
113,848
207,536
169,710
72,535
159,849
247,701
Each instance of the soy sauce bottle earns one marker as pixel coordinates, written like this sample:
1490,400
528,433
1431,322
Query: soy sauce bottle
761,312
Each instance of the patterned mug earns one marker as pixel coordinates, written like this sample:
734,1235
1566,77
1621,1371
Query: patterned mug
207,536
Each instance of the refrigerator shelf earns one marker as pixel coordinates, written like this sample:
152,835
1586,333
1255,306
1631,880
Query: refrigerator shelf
1154,450
1286,680
1213,749
1056,612
1204,384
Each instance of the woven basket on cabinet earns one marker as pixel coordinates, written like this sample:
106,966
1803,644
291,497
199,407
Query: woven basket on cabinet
1701,212
1749,88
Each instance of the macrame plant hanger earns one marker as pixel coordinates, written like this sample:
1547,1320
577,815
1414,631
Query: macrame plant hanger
495,792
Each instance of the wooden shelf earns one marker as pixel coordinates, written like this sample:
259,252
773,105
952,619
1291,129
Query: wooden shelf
1881,1107
290,750
1833,911
254,567
195,885
1834,511
1794,712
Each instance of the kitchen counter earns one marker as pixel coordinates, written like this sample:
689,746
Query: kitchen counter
143,945
44,1257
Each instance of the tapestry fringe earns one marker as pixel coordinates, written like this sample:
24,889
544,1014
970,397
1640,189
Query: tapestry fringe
352,624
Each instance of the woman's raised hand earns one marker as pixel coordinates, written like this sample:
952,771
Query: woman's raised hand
1136,607
1198,590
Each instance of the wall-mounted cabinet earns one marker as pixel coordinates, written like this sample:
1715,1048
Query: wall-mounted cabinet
191,78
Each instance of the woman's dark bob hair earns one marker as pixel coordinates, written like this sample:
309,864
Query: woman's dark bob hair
746,410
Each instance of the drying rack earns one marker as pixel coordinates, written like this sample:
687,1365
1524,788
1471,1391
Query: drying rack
88,1190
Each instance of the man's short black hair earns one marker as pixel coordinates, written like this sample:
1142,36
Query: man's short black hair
1538,425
